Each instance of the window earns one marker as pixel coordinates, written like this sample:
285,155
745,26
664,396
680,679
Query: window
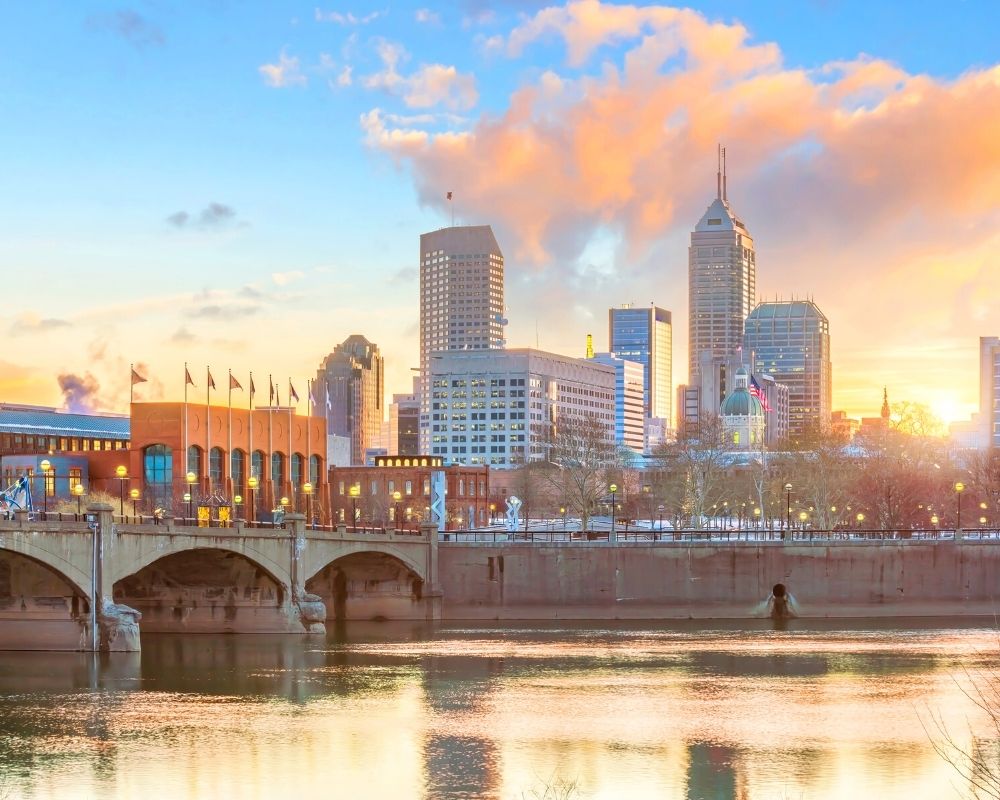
75,478
298,463
340,487
257,464
215,461
157,471
238,470
314,470
409,487
277,471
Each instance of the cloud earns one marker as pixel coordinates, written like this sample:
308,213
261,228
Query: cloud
182,336
32,323
287,72
285,278
79,392
223,311
425,16
211,217
850,175
130,26
428,86
347,17
345,76
405,274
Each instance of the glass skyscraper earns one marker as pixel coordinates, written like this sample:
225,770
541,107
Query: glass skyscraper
722,284
645,335
790,340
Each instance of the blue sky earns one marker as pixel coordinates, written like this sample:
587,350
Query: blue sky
121,118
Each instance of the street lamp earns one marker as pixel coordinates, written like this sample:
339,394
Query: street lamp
237,502
122,473
191,479
756,517
355,493
959,488
788,505
493,508
562,510
803,516
396,497
860,518
78,491
45,466
614,490
252,483
935,520
307,490
134,494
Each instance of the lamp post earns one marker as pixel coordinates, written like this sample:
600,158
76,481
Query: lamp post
493,508
659,521
803,516
788,505
307,490
122,473
935,520
237,502
860,518
45,466
191,479
396,497
134,495
252,484
756,517
355,493
78,491
959,488
614,491
562,510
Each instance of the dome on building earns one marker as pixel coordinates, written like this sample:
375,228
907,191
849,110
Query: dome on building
741,404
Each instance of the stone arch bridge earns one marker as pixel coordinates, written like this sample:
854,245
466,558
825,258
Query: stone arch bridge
94,585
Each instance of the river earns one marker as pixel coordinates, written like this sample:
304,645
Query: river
820,709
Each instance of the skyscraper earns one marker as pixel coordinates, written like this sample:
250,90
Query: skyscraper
461,300
790,340
989,390
722,281
353,374
629,411
645,335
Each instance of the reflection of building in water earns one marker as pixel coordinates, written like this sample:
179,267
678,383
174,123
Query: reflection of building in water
711,773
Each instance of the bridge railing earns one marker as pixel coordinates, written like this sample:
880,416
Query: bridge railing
714,536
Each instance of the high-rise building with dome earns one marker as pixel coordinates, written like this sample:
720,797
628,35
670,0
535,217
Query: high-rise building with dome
743,415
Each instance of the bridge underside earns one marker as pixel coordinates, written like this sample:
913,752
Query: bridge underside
370,586
39,608
206,591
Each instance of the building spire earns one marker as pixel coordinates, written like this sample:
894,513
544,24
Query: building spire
718,173
725,198
885,403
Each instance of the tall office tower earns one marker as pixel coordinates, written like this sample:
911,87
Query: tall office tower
790,340
404,425
989,391
461,300
630,417
645,335
354,376
722,281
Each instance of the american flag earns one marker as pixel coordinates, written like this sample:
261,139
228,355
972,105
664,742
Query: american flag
757,392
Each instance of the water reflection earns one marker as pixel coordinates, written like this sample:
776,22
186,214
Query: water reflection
417,710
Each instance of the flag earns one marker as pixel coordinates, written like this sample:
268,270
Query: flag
136,377
211,380
449,195
187,377
756,391
292,394
270,398
277,396
233,383
329,405
253,389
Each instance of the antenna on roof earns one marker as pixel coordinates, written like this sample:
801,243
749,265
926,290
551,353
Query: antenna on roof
718,173
725,199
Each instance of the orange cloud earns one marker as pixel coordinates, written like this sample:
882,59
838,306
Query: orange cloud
844,173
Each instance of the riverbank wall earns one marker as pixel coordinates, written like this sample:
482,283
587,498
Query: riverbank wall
705,580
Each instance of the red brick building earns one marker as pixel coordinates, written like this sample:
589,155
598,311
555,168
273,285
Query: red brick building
224,448
467,492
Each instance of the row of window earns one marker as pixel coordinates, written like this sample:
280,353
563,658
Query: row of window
407,487
28,443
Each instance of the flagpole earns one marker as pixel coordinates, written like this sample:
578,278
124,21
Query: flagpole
229,430
131,386
208,427
270,438
309,409
290,485
250,407
185,461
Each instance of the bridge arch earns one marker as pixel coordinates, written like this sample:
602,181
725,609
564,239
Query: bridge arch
241,547
206,589
34,547
370,583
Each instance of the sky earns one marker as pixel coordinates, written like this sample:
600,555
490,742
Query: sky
243,185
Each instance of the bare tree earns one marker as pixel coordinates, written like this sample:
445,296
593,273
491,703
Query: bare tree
697,463
583,455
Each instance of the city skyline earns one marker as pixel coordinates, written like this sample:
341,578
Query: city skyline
255,217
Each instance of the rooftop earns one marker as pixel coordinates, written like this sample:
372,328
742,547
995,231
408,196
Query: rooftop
16,418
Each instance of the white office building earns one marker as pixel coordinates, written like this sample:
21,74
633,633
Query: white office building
629,404
502,408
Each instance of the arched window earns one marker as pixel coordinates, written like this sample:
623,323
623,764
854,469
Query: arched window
314,470
194,460
257,465
238,470
216,459
277,471
158,474
297,470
